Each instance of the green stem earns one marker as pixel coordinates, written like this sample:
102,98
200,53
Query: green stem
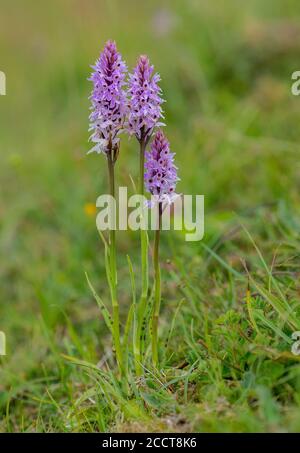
139,337
157,290
113,270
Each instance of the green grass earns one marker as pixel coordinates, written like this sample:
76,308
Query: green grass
226,360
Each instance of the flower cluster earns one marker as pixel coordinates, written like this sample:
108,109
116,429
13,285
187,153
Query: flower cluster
134,106
109,103
145,109
160,171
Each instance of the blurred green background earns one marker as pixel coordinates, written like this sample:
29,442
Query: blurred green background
231,119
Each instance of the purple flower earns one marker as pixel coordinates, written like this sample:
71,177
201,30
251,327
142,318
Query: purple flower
160,171
145,102
109,103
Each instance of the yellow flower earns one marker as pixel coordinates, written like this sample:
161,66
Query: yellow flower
90,209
